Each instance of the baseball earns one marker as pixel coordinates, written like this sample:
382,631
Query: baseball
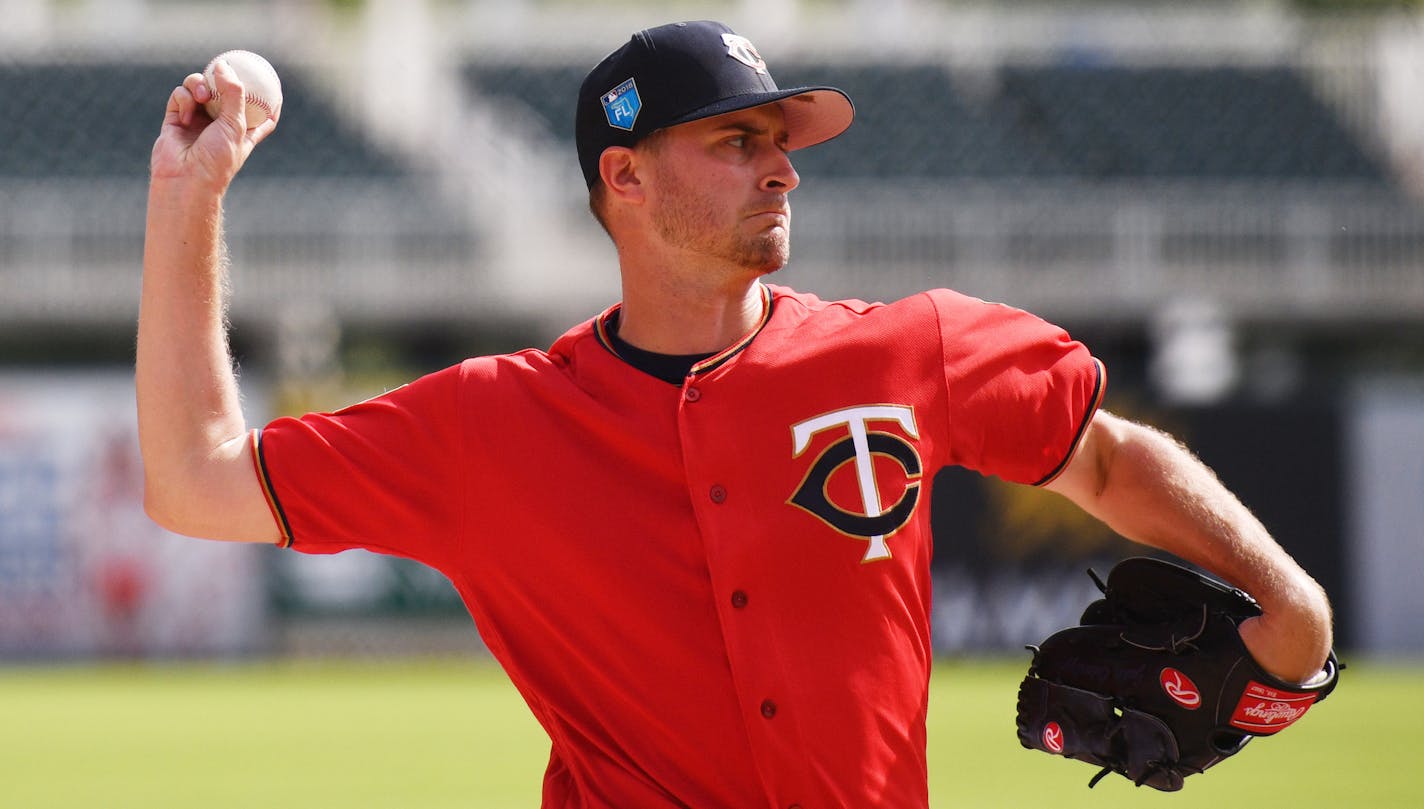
260,85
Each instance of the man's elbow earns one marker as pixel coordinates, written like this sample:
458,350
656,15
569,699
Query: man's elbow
183,509
164,507
215,496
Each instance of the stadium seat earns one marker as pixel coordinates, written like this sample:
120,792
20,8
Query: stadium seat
103,132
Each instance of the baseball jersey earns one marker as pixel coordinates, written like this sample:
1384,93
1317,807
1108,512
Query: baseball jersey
713,594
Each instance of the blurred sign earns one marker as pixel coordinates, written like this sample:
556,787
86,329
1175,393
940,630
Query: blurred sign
1386,475
1010,561
83,571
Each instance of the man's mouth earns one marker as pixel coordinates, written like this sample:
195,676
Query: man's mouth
781,213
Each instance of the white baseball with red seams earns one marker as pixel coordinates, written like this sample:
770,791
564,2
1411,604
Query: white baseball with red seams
260,85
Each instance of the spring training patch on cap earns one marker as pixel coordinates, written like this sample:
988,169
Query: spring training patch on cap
621,105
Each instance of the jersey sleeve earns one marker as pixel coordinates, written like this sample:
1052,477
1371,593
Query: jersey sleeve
1021,392
383,474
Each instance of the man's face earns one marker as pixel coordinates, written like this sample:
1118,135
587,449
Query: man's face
718,187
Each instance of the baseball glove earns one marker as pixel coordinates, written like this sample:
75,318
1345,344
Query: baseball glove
1155,683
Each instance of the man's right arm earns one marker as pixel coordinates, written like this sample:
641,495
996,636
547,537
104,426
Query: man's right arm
199,474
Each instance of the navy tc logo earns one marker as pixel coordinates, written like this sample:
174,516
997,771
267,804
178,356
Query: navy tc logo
873,520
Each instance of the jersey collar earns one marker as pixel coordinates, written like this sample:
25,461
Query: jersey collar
603,325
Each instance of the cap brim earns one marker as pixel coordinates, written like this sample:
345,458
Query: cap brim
813,114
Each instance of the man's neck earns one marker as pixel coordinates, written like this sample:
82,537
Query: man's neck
682,320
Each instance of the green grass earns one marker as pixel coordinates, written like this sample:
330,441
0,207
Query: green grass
1357,749
454,733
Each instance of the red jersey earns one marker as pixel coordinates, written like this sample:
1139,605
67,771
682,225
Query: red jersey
715,594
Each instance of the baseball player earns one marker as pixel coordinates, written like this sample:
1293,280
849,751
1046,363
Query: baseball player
695,531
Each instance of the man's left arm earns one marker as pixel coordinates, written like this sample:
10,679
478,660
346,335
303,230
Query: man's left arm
1149,488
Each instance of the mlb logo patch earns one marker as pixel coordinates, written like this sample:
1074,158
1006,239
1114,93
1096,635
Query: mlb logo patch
621,105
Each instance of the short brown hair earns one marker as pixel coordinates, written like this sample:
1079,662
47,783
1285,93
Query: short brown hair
598,192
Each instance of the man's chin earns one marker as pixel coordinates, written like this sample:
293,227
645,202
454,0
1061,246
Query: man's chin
764,267
773,255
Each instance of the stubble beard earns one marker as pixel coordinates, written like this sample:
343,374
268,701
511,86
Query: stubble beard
689,221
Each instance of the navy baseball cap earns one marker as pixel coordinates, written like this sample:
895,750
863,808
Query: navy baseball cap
685,71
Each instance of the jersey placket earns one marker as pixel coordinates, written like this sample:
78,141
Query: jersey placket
719,486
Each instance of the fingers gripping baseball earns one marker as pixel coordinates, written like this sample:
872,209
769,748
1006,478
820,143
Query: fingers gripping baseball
262,88
226,84
195,146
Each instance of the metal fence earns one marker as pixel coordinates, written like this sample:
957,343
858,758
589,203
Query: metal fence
71,251
484,217
1118,252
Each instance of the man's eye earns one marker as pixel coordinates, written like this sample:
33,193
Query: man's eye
737,142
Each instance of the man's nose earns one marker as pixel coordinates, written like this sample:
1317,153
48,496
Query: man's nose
780,175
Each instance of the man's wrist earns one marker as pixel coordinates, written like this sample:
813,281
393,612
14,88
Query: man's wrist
186,193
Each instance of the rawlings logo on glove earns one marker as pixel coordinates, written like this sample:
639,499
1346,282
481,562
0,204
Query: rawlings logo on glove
1180,688
1265,710
1155,683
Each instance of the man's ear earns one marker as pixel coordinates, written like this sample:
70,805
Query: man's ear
619,168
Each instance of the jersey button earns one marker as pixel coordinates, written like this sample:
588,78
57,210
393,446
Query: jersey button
718,493
692,394
768,708
739,599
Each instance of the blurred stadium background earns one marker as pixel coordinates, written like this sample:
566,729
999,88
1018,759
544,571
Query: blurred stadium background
1222,199
1225,200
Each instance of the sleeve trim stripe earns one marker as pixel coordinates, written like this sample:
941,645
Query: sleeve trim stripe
278,514
1099,386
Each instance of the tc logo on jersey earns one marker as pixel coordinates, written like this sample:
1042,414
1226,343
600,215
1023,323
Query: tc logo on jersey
881,462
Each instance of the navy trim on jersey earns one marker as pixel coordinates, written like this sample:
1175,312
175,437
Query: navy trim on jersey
1097,401
673,368
720,358
266,480
670,368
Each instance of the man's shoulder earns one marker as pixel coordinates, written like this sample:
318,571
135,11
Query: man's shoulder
924,302
581,346
784,296
525,361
